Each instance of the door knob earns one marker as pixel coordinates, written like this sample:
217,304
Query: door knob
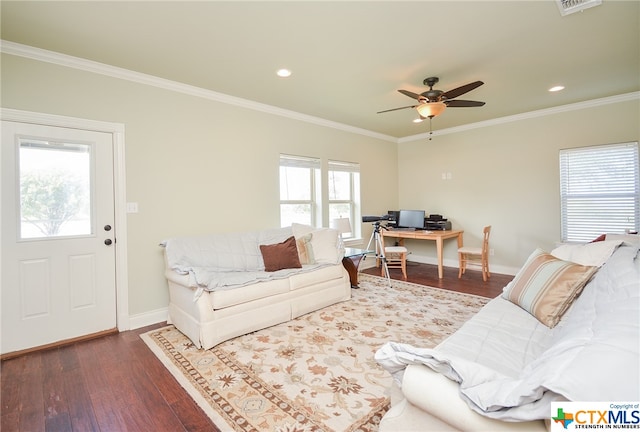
108,242
107,227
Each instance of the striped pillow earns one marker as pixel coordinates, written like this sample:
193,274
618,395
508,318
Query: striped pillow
546,286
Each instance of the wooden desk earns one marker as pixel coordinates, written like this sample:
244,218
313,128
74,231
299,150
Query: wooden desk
438,236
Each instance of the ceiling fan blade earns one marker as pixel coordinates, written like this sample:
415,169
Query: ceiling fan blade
451,94
463,103
411,94
396,109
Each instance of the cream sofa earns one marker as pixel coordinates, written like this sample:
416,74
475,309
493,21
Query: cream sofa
219,286
502,369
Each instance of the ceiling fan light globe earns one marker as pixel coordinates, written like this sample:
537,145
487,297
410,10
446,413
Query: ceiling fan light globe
431,109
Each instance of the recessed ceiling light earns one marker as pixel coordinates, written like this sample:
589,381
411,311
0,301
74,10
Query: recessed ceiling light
284,73
418,120
556,88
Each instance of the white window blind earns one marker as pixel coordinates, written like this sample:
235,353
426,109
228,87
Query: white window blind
299,161
599,191
344,166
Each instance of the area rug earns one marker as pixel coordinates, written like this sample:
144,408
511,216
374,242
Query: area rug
317,372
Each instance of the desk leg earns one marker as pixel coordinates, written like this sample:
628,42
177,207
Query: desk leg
439,250
351,265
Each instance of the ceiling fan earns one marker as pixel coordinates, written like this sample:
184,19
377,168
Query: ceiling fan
433,102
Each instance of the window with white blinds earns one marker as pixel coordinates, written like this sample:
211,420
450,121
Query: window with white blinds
599,191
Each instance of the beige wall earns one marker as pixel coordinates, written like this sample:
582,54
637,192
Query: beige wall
505,176
198,166
193,165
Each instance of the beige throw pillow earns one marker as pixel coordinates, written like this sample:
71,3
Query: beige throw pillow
305,250
546,286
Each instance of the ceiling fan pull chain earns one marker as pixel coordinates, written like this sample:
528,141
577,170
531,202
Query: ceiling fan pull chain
430,128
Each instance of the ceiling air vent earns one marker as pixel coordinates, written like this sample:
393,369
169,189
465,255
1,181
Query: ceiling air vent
570,6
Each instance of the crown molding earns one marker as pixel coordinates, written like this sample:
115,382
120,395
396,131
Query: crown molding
53,57
524,116
59,59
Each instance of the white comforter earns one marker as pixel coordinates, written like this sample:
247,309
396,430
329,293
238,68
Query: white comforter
227,260
510,367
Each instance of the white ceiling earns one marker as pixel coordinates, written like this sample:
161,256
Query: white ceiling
349,58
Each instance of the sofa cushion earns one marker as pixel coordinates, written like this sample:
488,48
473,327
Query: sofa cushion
221,299
280,256
324,243
325,273
546,286
628,239
325,246
588,254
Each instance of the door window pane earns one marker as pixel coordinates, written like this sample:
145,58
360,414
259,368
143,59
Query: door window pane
55,189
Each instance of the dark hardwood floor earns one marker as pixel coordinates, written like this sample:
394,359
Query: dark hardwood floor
115,383
470,283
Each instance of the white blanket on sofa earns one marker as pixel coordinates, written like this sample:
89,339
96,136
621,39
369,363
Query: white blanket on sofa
223,252
227,260
592,355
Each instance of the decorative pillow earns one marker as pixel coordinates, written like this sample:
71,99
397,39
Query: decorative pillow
305,250
546,286
601,237
324,242
628,239
281,255
588,254
300,230
325,246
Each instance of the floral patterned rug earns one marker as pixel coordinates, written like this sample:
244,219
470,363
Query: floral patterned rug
317,372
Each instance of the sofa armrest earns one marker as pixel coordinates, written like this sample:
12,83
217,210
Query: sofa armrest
439,397
179,279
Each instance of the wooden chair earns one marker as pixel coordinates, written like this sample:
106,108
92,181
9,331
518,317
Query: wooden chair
396,257
467,254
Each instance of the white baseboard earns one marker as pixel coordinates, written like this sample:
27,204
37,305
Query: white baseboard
148,318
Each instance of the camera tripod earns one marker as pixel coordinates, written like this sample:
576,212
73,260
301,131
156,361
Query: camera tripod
376,238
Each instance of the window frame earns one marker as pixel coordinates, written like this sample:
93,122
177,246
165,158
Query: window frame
587,191
353,202
314,167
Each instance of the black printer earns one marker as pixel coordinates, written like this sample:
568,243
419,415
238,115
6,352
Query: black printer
435,222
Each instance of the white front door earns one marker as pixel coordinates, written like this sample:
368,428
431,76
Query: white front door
58,235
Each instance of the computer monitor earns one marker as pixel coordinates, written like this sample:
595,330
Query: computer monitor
411,219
